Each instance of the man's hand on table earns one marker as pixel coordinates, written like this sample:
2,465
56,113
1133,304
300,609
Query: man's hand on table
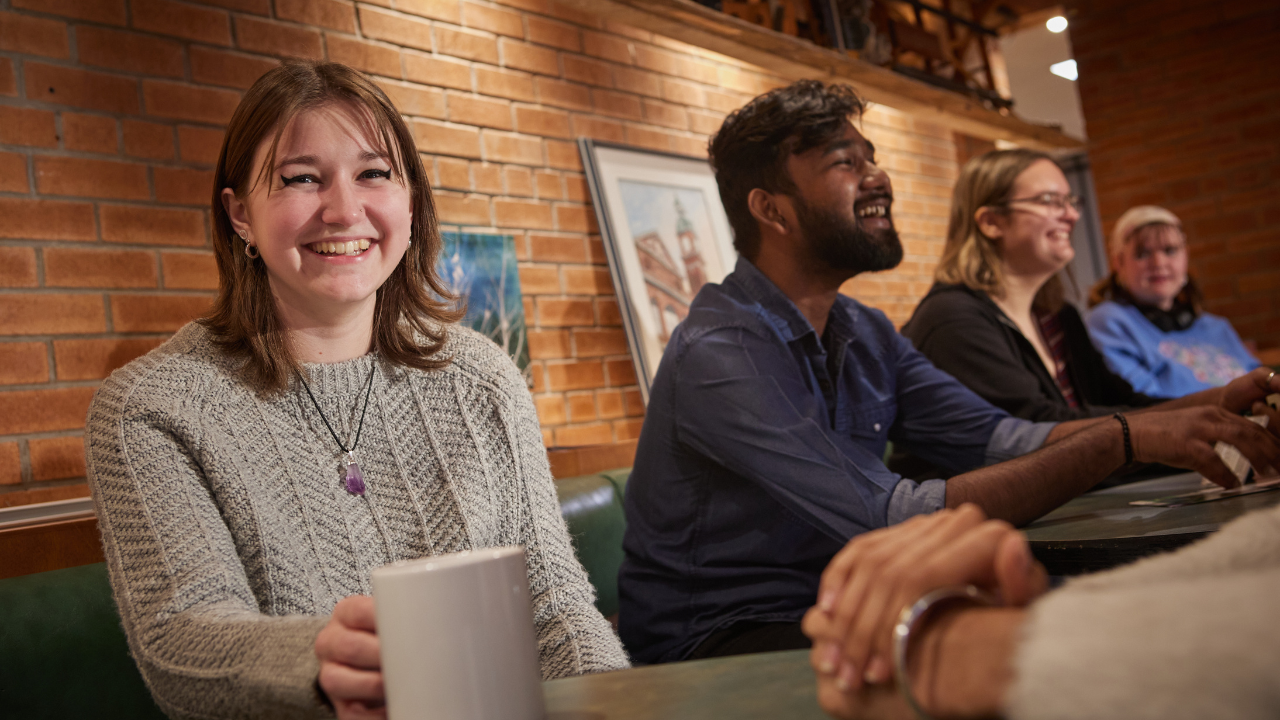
1249,391
1185,438
350,664
877,574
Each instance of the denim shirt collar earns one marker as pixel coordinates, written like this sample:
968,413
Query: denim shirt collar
783,315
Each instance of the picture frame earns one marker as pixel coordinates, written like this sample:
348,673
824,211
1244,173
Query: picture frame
480,268
665,235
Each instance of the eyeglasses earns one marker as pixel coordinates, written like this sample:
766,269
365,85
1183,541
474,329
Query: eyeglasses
1054,200
1147,251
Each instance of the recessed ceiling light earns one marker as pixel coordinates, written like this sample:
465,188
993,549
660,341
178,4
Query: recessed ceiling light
1056,24
1066,69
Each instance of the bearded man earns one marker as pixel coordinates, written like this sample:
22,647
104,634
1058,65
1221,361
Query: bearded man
760,455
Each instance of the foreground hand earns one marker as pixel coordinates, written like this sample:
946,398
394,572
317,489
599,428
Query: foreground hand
871,702
1185,438
960,666
865,587
350,665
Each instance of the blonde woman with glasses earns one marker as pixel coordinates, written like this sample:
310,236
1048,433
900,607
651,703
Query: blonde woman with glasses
995,318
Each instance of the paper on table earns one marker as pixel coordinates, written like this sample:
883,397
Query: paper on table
1236,462
1211,494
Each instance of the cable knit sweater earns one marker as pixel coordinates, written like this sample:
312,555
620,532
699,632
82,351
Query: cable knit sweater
1181,636
230,537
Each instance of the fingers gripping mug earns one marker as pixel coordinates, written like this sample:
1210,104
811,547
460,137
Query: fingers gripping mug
457,639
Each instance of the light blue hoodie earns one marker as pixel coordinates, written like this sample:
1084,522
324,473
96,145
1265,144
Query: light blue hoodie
1167,364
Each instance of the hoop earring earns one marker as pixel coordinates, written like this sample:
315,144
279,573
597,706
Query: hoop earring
251,251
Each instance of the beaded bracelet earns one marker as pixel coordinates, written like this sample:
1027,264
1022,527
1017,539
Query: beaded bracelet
907,622
1128,442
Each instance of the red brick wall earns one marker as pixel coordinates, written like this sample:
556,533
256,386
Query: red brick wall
111,115
1182,108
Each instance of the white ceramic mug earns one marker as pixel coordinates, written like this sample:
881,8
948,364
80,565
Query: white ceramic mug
457,640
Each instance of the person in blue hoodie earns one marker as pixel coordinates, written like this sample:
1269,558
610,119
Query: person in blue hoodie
1147,318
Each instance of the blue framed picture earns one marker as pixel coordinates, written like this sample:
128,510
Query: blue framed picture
481,269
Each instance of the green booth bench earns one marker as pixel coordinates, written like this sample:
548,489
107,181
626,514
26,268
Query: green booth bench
63,652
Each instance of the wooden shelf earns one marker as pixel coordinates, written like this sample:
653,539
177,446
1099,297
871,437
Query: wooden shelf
794,59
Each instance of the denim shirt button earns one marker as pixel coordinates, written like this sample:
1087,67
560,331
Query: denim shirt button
877,427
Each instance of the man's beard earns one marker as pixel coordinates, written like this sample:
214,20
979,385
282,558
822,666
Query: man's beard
841,245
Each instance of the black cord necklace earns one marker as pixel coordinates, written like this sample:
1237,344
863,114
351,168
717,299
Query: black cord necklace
353,477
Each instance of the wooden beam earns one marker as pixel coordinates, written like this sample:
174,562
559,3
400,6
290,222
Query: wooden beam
50,546
588,459
795,59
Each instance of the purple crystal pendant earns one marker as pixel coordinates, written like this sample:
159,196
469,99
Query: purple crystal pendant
355,478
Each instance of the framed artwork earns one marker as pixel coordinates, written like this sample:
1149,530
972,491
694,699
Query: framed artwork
481,269
665,234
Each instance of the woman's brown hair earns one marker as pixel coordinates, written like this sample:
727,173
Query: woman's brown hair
412,306
971,258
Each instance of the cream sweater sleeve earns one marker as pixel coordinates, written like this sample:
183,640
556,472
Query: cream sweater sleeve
193,624
1191,634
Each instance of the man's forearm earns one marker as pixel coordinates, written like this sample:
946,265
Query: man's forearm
1212,396
1023,489
1068,428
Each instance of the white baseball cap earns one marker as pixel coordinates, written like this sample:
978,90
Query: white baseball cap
1136,217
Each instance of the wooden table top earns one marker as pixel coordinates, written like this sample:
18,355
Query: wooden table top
745,687
1101,529
1107,514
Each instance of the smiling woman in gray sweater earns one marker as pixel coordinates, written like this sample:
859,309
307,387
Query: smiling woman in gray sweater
324,420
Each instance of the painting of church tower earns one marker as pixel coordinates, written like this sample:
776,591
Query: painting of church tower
695,270
671,288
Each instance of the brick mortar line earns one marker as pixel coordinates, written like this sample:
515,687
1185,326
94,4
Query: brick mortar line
51,385
105,247
119,202
40,484
76,64
83,336
150,291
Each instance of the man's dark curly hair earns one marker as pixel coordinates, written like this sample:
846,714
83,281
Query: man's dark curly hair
751,149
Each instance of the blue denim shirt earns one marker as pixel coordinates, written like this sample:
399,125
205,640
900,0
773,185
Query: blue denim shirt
761,456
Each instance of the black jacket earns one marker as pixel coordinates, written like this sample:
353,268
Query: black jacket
965,334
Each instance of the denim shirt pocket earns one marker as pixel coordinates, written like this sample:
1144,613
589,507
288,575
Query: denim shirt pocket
868,423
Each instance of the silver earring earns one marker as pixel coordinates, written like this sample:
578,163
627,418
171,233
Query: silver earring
251,251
